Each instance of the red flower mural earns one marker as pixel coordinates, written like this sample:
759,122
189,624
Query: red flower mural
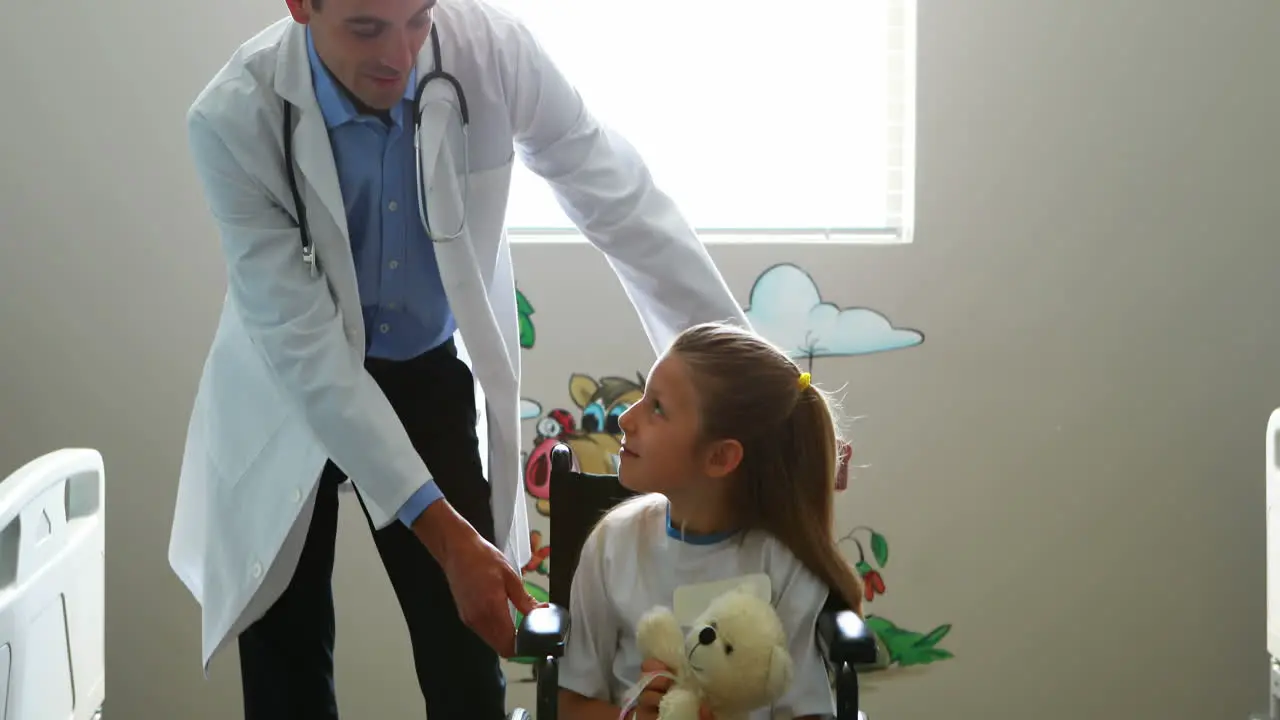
541,555
872,580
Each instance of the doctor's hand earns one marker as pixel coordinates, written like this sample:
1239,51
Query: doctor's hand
480,578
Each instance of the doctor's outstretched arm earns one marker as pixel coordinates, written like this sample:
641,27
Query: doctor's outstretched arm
603,185
295,326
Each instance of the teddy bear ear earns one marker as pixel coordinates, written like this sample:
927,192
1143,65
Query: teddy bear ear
780,671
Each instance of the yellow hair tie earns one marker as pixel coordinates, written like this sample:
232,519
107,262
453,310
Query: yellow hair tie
804,381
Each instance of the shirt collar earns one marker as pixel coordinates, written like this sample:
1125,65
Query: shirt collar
709,539
336,107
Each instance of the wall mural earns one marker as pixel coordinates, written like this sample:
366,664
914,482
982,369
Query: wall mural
896,645
593,436
786,307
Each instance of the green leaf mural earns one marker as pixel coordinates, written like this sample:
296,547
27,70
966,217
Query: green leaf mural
525,311
908,647
879,548
896,645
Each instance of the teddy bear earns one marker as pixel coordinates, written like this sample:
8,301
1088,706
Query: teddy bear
734,660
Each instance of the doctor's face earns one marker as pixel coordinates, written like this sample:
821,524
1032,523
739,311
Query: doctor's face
369,46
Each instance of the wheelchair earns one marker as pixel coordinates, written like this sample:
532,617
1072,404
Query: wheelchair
580,499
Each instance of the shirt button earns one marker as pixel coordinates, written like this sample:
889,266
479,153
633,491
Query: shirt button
384,328
393,264
393,306
392,206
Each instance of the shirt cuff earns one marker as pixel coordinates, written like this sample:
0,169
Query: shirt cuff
418,502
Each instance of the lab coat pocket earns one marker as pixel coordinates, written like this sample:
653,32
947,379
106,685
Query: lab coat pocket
249,410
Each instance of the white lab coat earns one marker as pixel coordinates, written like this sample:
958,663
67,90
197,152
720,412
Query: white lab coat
284,388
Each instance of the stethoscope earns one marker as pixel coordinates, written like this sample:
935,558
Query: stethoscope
437,73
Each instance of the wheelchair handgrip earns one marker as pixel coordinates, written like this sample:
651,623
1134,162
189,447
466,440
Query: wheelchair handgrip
846,637
542,633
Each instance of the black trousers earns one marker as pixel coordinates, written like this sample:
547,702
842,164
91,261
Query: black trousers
286,657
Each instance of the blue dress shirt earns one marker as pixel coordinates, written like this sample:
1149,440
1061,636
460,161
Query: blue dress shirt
406,311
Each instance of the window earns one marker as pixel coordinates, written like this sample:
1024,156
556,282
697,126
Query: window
779,120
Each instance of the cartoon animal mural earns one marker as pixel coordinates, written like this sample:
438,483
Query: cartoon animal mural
896,645
786,307
595,441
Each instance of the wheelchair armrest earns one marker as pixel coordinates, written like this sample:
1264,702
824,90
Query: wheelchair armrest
846,638
542,633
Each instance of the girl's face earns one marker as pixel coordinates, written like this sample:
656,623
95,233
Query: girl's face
660,432
662,450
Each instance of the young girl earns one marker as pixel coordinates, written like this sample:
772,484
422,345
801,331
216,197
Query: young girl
734,454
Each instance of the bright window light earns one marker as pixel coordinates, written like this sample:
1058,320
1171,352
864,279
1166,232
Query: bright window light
783,119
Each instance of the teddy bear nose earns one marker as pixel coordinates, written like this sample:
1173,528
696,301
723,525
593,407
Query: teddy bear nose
707,635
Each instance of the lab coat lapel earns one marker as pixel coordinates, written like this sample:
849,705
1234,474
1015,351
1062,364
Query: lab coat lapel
312,151
314,156
317,175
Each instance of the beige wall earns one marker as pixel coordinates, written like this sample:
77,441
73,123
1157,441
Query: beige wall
1068,470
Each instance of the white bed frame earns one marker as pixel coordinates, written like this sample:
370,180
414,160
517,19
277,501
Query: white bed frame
52,541
1273,558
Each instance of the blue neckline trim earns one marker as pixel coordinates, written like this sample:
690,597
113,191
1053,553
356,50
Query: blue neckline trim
711,539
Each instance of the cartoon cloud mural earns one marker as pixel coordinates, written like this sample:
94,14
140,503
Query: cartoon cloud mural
786,308
529,409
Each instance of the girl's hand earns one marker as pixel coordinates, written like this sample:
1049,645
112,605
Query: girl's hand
647,704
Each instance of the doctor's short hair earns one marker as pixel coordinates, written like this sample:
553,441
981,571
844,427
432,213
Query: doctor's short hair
750,391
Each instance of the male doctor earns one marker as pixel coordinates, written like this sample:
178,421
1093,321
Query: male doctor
393,359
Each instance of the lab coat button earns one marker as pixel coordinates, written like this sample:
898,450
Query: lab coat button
297,495
257,570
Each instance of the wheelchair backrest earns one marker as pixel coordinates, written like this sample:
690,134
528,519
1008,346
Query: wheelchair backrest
578,501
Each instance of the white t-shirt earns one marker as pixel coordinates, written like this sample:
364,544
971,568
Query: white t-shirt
635,561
